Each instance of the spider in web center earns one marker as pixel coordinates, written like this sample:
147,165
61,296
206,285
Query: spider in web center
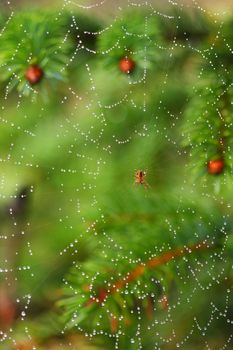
140,178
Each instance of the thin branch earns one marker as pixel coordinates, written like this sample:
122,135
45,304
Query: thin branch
139,270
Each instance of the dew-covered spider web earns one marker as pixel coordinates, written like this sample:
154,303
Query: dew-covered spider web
106,236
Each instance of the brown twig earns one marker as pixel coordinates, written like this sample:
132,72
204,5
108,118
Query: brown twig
139,270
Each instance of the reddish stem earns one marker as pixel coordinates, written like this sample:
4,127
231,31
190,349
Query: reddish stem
139,270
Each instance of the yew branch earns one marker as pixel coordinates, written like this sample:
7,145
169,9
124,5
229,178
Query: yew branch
139,270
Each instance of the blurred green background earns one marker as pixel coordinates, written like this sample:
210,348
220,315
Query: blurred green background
67,178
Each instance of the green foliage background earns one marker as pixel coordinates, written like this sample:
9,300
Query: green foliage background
75,150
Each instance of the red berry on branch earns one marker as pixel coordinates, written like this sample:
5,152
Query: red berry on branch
215,167
126,65
34,74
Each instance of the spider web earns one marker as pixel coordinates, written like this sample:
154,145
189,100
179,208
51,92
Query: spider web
75,166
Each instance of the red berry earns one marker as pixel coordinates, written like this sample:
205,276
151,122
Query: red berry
126,65
216,167
34,74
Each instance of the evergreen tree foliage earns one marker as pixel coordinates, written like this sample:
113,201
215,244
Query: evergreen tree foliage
146,260
32,39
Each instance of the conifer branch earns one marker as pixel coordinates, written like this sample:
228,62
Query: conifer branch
139,270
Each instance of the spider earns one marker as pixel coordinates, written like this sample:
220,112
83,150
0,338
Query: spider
140,178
